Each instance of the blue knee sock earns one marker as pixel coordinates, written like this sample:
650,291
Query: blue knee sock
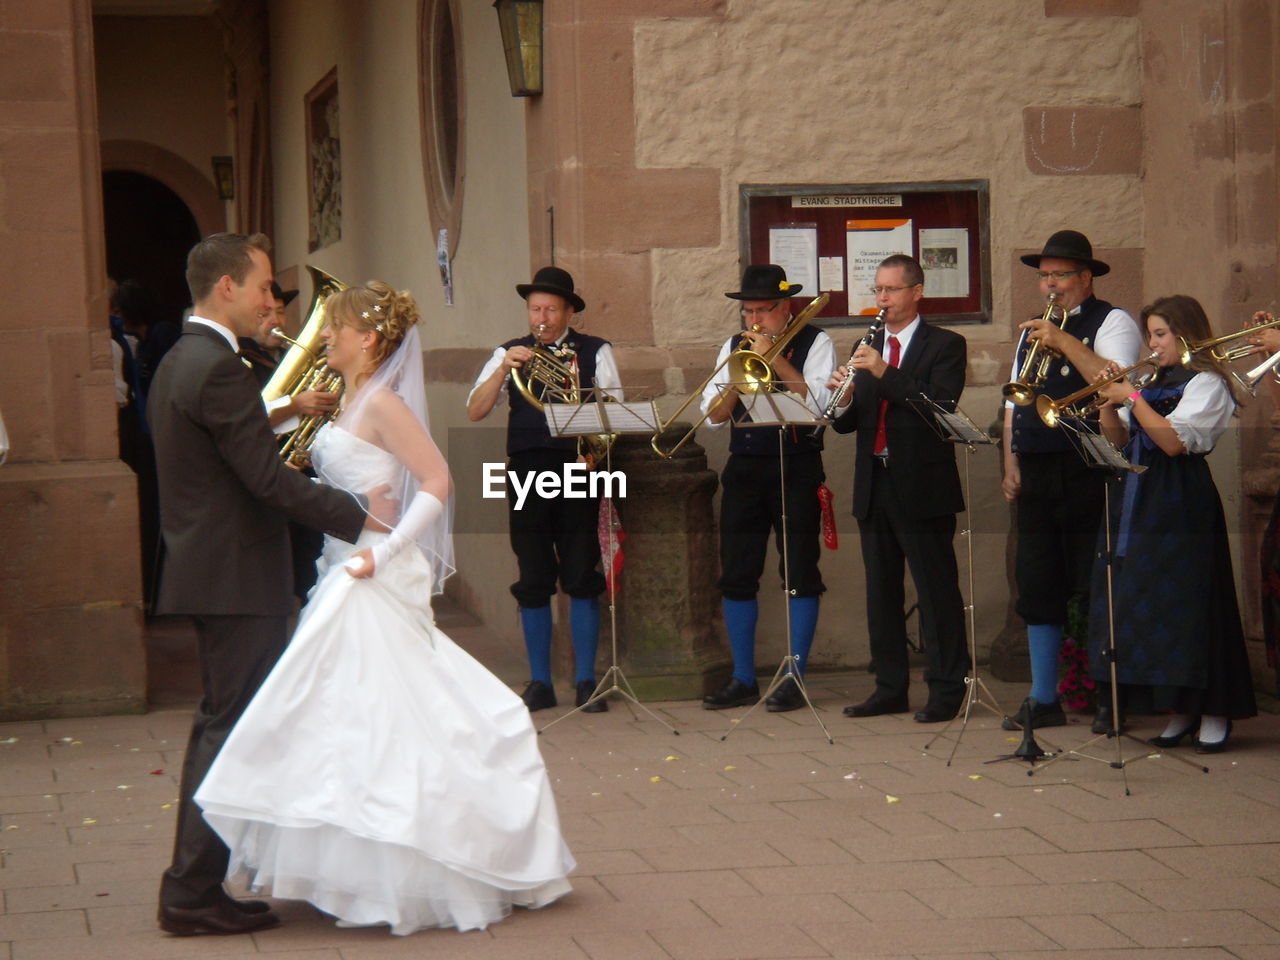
1044,641
740,621
536,623
584,627
804,621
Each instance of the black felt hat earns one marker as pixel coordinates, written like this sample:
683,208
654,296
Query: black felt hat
285,295
1069,245
553,280
765,281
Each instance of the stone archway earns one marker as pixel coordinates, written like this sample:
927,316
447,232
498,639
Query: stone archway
195,189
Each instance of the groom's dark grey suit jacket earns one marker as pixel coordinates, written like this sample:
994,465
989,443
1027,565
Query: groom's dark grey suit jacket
225,495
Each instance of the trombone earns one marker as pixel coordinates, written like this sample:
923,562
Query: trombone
749,372
1053,412
1036,365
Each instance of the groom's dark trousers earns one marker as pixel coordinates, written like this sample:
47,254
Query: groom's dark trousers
225,501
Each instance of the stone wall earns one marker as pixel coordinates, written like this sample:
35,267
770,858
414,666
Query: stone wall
71,621
655,115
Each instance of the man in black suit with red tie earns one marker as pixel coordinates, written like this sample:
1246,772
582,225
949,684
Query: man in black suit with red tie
906,494
225,498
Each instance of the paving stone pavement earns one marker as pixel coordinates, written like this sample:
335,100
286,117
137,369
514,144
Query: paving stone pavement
771,843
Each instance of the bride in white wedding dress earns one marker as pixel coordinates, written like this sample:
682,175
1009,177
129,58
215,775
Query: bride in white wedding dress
381,773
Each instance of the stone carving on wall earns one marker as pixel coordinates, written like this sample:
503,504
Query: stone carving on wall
324,160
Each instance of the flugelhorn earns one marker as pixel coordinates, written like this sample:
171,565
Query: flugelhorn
1039,358
749,372
832,408
1052,412
304,367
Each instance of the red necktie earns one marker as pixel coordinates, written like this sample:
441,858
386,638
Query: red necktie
881,440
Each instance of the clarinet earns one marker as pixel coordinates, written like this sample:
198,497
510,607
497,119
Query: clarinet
838,395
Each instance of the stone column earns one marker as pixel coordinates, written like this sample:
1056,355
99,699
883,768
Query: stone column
71,622
667,645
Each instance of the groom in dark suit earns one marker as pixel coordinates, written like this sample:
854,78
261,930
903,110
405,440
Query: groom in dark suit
906,494
225,499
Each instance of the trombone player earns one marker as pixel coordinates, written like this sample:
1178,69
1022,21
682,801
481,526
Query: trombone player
1059,498
552,537
751,505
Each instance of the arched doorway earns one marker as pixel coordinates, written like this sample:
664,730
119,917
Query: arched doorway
149,231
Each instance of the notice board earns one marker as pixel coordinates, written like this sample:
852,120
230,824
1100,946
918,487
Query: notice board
831,237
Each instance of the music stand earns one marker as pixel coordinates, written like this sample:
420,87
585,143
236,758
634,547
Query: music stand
955,427
781,410
1101,454
569,417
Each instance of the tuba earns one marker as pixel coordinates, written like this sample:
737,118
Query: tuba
556,375
304,367
749,372
1037,362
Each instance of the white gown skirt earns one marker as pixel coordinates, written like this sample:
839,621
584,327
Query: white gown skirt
384,775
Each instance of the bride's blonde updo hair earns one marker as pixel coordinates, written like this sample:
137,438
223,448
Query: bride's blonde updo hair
375,306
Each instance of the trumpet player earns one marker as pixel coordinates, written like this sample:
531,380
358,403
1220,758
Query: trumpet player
751,505
1059,499
554,538
906,493
1177,632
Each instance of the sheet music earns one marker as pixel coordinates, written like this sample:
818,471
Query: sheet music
572,420
770,409
1104,452
962,428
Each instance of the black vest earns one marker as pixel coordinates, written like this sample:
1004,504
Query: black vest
1030,434
763,441
526,425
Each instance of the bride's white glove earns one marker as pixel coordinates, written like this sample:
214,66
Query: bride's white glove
424,510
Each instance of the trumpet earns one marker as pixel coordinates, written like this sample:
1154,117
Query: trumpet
1038,360
1214,347
839,393
749,372
1255,376
1052,412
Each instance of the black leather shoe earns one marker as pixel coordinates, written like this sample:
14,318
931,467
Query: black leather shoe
1214,746
1042,715
786,697
583,693
735,693
936,713
1102,722
877,705
251,906
221,919
538,696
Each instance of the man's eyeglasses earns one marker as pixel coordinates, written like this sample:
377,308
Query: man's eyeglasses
891,290
1057,274
759,311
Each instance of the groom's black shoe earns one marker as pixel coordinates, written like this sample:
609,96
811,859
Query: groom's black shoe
251,906
583,693
220,919
538,696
